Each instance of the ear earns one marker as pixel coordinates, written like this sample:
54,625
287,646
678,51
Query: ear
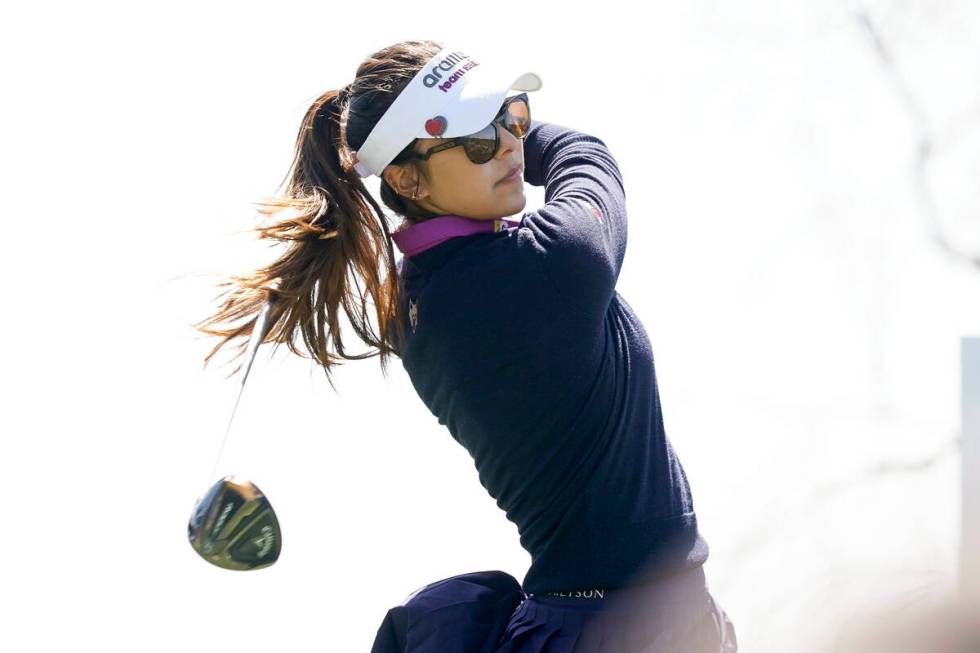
404,179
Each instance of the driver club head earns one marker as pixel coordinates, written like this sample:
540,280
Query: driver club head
233,526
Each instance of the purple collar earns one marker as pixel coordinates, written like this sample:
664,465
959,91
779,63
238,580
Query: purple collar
414,238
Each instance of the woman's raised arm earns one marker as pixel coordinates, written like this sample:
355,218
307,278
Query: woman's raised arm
581,228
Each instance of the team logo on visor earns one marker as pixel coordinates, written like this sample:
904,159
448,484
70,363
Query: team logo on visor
436,126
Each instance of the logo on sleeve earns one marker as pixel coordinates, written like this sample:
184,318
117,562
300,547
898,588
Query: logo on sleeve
595,212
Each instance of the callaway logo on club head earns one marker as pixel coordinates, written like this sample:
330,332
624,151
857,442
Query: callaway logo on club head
265,541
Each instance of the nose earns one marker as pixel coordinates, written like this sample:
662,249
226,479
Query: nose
507,140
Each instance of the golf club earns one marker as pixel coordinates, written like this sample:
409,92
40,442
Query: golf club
233,526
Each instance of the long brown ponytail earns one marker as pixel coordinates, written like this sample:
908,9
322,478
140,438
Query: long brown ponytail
333,227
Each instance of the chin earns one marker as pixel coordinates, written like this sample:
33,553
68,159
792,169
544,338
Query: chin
518,206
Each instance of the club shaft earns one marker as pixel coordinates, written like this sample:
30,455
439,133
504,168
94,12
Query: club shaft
258,332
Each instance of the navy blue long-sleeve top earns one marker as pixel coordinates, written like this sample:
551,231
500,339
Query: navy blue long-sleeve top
518,342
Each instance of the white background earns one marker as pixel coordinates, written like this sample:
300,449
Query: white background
805,325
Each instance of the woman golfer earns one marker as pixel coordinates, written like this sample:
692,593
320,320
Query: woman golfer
513,335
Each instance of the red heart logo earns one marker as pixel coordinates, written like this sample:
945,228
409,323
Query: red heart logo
435,126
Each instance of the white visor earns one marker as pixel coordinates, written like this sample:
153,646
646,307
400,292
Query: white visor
453,94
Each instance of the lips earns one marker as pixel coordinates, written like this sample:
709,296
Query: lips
511,172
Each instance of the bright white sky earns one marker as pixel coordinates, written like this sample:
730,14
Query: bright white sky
805,329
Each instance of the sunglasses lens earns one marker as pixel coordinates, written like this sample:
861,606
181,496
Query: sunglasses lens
517,118
481,146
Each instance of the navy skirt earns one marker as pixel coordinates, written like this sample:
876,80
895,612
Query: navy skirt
488,612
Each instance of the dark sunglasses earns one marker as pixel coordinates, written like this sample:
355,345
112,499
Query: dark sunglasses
514,116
